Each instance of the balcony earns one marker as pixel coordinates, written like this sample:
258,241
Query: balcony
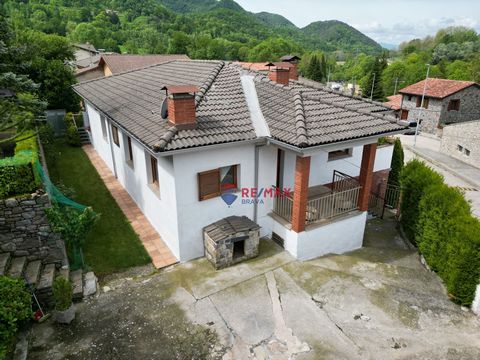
324,203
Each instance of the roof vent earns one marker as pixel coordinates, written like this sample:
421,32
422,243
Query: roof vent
164,111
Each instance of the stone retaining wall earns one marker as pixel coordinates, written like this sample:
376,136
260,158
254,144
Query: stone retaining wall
25,230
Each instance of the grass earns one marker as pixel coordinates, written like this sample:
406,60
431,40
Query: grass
112,245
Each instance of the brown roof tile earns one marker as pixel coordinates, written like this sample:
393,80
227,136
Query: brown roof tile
437,88
394,102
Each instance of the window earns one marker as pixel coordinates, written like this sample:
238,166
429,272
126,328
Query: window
128,150
404,115
460,148
425,102
115,135
104,127
454,105
213,182
339,154
154,172
409,97
467,152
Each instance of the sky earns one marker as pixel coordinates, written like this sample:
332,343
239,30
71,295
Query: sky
385,21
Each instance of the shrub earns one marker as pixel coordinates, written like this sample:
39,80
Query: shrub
72,136
62,293
441,210
15,307
415,178
397,163
17,173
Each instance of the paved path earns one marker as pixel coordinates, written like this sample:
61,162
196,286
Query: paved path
159,252
378,302
455,172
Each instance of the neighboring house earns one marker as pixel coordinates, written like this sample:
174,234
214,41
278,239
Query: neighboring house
110,64
446,102
395,103
186,138
462,141
84,52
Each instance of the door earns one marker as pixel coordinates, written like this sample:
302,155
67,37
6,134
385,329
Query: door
404,115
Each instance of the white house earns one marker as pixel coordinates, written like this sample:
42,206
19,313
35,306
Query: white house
300,160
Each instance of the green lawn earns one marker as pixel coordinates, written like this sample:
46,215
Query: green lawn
112,245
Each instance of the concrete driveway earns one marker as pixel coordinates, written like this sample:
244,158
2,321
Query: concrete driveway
375,303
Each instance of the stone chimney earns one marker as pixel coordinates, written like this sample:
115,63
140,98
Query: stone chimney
279,74
181,106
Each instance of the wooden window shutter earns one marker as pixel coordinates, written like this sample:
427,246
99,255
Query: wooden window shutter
209,184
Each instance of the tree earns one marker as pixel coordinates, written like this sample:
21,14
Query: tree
373,81
179,43
273,49
397,163
314,69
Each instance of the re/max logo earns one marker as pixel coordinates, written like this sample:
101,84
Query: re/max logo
265,192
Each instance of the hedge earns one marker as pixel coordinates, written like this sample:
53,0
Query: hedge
445,231
415,178
17,173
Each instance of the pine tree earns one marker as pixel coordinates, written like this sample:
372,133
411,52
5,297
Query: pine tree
397,163
374,79
314,70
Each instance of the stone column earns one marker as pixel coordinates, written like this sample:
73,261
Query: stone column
300,195
366,175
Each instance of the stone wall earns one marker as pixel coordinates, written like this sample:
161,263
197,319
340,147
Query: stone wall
462,141
437,114
25,230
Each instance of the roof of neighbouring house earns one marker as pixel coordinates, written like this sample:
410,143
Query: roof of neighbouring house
118,63
290,58
88,62
437,88
298,114
87,47
394,102
263,66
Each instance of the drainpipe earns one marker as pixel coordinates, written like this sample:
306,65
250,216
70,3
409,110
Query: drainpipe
255,184
109,130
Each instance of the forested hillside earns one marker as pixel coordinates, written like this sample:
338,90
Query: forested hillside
201,28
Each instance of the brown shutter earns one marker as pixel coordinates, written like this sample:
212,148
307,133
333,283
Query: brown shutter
209,184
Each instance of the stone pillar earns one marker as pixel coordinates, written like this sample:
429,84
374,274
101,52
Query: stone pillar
300,195
366,175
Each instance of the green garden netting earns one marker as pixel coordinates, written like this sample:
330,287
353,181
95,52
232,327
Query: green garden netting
53,192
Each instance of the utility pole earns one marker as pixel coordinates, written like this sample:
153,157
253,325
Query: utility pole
373,86
396,84
421,106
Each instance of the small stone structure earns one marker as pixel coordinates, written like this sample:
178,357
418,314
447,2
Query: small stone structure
231,240
462,141
25,230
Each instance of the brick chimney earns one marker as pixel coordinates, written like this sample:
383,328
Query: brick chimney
279,74
293,60
181,106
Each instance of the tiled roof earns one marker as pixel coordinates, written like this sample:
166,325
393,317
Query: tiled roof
86,47
262,66
120,63
394,102
297,114
303,116
88,62
437,88
134,100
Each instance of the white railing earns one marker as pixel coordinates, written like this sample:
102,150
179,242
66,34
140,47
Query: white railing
283,205
332,205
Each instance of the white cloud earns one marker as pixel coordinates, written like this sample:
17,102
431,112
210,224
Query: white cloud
398,32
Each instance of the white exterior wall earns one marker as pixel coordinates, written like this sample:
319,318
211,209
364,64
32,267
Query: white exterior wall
194,215
321,170
336,237
160,210
101,145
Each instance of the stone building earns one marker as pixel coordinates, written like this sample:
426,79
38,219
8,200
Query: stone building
462,141
446,102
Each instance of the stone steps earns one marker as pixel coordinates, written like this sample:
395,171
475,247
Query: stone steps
84,138
4,263
17,267
41,277
32,272
76,277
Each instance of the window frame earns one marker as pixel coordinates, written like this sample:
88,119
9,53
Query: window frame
206,196
154,180
426,102
453,105
128,151
115,138
103,124
340,154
